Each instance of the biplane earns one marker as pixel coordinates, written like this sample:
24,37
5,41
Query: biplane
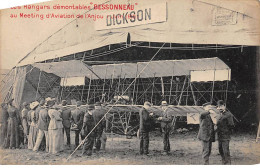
184,84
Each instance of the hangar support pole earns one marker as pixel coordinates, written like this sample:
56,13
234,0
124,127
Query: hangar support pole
212,91
182,90
38,85
89,89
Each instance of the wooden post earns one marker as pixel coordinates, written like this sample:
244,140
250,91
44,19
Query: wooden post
182,90
89,88
258,133
38,85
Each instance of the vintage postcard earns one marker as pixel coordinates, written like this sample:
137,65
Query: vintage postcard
130,82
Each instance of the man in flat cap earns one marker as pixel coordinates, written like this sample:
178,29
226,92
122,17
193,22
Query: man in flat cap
87,130
66,116
98,114
144,128
166,120
225,124
206,132
77,116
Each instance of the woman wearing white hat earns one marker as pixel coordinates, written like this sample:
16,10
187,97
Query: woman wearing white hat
33,125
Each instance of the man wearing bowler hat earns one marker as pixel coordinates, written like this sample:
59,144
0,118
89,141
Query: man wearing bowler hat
206,132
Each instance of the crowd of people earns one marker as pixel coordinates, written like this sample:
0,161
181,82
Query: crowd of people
221,127
41,126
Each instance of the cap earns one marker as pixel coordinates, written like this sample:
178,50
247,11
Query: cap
206,104
79,103
97,104
91,107
147,104
220,102
64,102
164,103
25,103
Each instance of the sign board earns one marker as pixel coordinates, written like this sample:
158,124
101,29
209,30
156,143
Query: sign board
223,16
138,16
193,118
210,75
72,81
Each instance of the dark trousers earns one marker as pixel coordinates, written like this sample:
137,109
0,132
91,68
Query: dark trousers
67,131
98,140
206,150
166,141
223,147
88,145
77,133
144,142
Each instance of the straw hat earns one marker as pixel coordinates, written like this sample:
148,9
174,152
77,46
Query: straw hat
33,105
147,104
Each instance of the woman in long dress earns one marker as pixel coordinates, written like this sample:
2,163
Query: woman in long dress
33,125
55,129
12,138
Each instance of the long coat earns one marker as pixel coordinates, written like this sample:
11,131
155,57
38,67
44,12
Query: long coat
224,125
206,130
4,121
12,137
145,121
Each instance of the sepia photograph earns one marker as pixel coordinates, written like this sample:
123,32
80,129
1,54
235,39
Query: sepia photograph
130,82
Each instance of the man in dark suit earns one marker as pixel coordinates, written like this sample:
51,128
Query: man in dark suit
206,132
77,116
166,120
88,125
98,114
144,128
225,124
66,116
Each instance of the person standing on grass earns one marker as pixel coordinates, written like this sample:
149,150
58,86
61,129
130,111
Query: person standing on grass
98,114
55,129
33,125
224,127
166,120
144,128
206,132
77,116
66,115
43,123
88,125
24,118
3,123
